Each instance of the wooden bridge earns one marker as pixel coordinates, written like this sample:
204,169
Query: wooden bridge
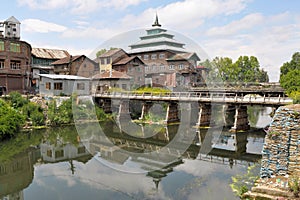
234,104
201,97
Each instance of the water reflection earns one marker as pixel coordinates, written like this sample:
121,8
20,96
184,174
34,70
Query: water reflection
63,166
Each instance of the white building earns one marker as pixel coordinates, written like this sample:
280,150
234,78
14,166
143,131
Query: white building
56,85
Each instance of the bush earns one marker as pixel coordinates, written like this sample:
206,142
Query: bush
37,118
62,114
295,95
10,121
16,100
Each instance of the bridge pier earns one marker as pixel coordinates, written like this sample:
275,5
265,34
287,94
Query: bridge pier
241,122
240,143
228,115
145,109
204,116
124,110
172,113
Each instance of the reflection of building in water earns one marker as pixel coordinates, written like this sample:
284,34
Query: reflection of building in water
63,152
17,174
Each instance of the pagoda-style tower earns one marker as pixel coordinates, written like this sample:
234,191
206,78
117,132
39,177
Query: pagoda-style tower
156,39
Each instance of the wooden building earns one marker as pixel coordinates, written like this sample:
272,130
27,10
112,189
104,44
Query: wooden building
76,65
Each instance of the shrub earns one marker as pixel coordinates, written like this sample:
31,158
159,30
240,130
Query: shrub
294,185
16,100
10,121
37,118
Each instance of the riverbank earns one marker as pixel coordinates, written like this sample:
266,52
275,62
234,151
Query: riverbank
280,168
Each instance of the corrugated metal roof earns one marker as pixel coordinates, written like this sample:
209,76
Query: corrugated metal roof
183,56
124,61
63,77
110,53
49,53
111,75
66,60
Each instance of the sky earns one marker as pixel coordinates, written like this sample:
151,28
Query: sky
267,29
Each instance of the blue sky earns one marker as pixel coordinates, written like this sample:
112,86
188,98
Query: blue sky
267,29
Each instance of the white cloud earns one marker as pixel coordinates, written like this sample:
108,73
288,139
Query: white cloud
186,14
79,7
234,27
36,25
44,4
272,39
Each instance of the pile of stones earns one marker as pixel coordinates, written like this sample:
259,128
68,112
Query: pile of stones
281,151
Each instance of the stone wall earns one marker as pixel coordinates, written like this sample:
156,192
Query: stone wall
281,151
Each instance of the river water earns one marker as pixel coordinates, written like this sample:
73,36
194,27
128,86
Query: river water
58,163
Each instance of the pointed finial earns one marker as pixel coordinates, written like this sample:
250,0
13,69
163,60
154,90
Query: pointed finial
156,23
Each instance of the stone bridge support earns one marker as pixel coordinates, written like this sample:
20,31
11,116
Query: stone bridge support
228,115
145,109
241,122
105,104
172,113
240,143
124,110
204,116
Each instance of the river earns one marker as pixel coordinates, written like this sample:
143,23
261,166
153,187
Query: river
57,163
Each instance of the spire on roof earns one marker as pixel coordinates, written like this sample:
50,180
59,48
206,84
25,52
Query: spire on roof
156,23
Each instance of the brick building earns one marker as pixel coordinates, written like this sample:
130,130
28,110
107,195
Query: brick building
15,57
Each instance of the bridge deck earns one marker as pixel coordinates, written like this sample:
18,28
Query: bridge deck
219,98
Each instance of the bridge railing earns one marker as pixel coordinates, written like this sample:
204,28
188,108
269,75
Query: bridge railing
200,96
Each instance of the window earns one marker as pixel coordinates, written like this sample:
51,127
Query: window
147,68
59,153
153,57
102,61
124,86
1,64
162,67
15,64
171,67
180,66
48,86
58,86
153,67
161,56
80,86
107,60
81,150
146,57
2,46
15,47
49,153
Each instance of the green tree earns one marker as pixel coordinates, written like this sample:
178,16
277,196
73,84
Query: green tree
11,120
245,69
290,77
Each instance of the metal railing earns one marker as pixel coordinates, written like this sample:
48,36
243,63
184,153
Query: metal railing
205,97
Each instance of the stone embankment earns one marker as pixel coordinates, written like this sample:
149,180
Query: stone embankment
280,156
